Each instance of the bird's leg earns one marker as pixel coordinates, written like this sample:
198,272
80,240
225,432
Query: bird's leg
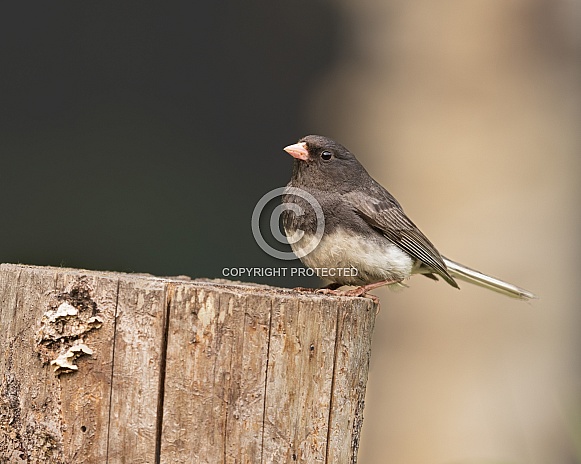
305,289
374,298
330,289
361,291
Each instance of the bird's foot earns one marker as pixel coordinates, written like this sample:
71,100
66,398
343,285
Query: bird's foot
327,290
305,289
362,292
332,289
356,292
320,291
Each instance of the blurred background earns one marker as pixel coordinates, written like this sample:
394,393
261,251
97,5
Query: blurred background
138,137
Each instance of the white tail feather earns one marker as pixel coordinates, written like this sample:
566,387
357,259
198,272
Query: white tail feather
477,278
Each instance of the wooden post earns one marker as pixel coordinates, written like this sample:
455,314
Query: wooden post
101,367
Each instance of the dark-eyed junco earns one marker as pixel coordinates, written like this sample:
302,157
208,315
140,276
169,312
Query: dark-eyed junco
367,240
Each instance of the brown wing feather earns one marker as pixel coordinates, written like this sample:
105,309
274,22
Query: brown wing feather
388,218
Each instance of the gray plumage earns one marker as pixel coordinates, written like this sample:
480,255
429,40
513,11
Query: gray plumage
364,222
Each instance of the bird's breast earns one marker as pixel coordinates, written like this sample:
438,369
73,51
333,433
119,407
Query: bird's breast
372,256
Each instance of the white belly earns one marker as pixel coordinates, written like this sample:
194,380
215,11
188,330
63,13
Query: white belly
374,260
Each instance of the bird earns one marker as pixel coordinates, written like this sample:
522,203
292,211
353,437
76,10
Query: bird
366,233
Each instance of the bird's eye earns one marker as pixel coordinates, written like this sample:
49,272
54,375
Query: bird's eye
326,155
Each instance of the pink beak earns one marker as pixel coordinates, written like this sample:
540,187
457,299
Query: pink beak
298,151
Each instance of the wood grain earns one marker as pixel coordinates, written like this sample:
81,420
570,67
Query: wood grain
180,371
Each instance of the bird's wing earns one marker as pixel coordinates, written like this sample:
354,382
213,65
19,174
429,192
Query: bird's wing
387,217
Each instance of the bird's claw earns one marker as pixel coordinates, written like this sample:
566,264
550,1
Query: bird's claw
305,289
355,292
362,292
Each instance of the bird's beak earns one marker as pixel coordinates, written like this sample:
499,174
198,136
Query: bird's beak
298,151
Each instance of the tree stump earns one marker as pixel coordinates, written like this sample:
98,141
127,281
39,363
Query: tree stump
103,367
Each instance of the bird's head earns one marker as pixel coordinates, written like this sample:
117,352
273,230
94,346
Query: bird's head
324,164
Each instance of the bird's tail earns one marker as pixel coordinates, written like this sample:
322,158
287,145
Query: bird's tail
472,276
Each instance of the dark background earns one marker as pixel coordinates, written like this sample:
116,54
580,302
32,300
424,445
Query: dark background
138,136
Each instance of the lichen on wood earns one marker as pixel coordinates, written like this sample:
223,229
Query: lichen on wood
172,371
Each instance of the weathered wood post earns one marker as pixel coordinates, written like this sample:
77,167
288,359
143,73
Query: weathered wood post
100,367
